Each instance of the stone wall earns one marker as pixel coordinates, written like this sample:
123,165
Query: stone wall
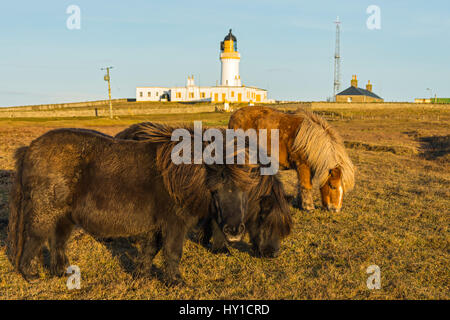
122,107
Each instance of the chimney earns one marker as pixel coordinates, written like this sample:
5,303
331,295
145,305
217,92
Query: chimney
369,86
354,81
190,81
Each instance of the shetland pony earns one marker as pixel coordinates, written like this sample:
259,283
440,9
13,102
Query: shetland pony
309,145
116,188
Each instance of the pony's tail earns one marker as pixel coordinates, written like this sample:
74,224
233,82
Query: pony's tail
16,219
130,133
158,132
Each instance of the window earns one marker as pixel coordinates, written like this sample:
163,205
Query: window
202,94
157,93
178,95
232,94
191,95
141,94
149,94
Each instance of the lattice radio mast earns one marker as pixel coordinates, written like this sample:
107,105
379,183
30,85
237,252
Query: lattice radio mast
337,60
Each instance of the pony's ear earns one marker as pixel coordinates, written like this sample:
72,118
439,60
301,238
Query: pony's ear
336,173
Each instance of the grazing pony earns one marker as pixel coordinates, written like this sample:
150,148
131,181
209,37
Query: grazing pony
308,144
116,188
268,218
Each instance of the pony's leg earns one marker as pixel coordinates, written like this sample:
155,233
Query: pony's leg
58,241
31,239
173,240
150,246
32,245
254,231
219,243
206,232
305,186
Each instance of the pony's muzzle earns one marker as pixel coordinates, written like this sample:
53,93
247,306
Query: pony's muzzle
234,234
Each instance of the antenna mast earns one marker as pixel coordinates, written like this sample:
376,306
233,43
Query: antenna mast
337,60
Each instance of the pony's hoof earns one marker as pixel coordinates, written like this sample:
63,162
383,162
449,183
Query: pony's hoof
308,207
30,278
57,271
297,204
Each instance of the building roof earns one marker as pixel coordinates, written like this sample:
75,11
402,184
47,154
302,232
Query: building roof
354,91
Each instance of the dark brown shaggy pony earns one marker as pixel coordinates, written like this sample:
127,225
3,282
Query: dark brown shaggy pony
308,144
268,219
116,188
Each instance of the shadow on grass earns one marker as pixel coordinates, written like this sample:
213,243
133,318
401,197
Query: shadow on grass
125,249
435,147
5,183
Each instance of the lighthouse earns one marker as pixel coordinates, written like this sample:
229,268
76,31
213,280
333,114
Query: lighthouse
230,58
230,89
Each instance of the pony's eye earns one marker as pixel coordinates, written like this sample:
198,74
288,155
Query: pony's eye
332,187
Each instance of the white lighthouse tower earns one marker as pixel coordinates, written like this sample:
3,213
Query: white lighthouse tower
230,58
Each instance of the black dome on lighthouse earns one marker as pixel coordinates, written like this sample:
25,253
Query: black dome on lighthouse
230,36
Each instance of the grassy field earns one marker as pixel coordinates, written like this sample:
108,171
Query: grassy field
397,217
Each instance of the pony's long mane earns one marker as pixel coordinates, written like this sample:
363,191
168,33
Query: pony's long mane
279,219
323,149
190,184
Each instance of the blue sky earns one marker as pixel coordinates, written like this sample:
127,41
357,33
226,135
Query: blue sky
286,47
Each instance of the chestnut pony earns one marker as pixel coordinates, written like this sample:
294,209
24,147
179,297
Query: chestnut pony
309,145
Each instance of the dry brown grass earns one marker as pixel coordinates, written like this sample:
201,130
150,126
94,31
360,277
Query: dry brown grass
397,218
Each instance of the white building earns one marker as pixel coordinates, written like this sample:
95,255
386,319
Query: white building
230,89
